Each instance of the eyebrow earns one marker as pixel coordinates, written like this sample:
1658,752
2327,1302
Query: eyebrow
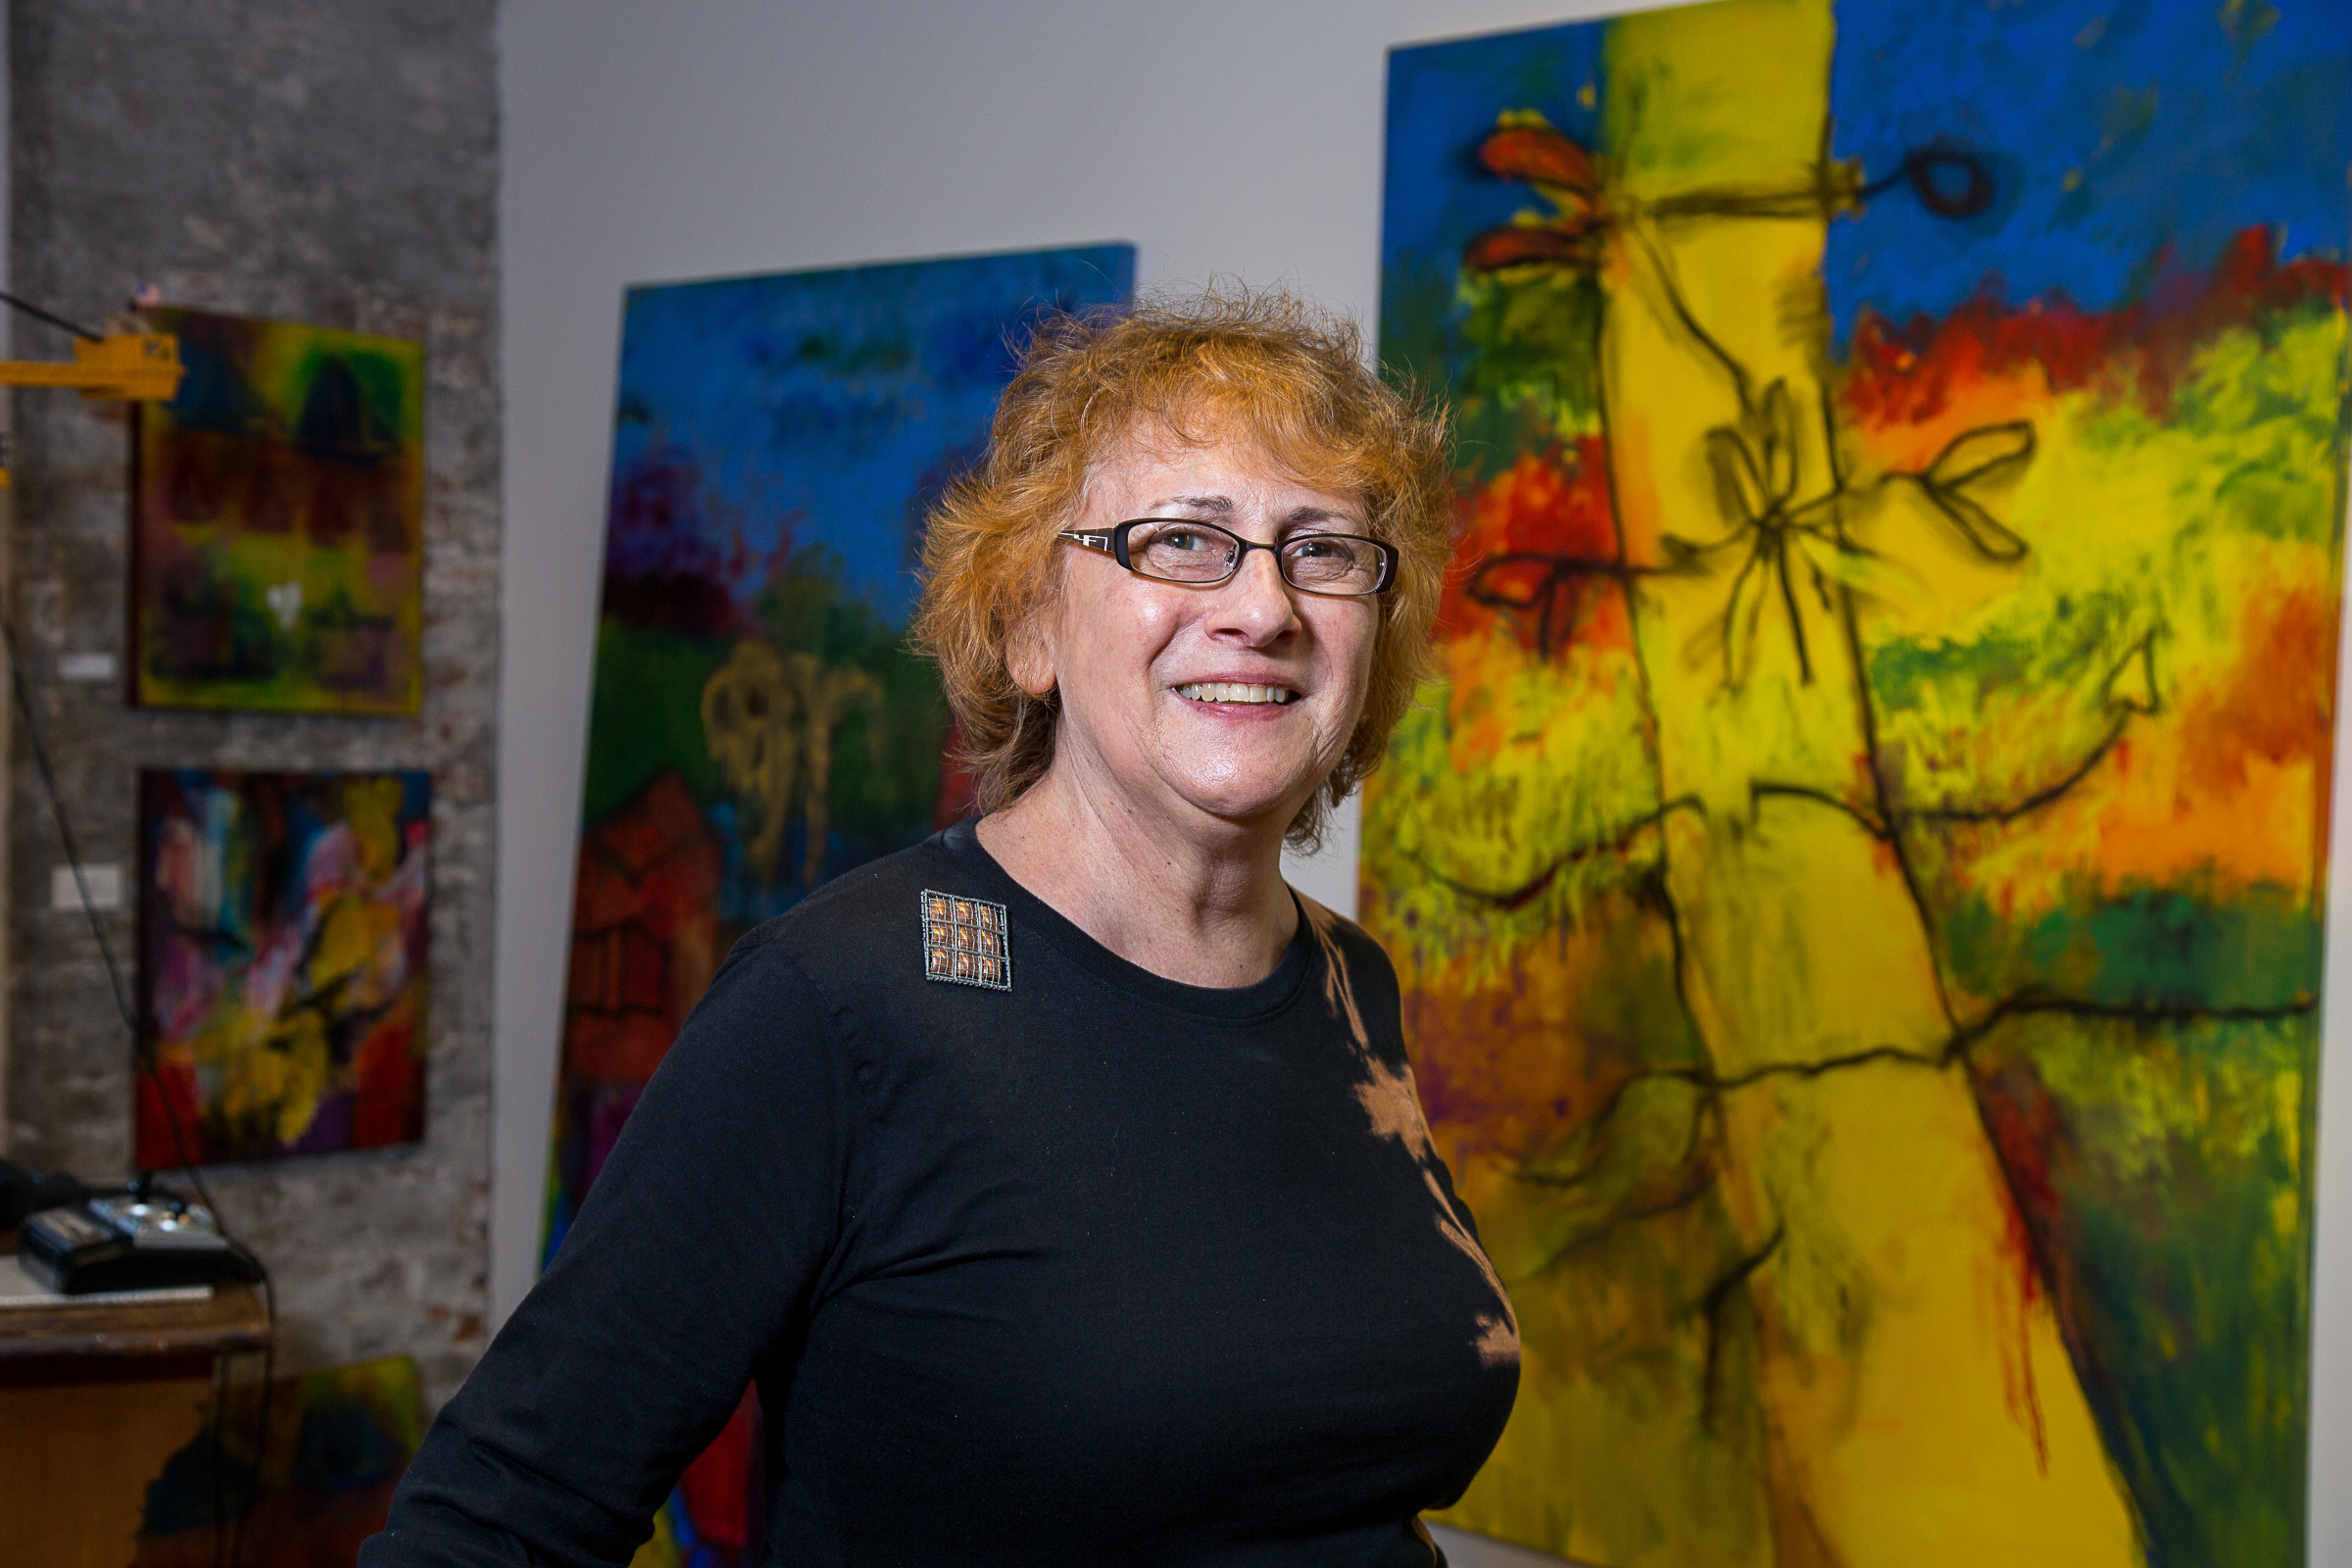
1222,506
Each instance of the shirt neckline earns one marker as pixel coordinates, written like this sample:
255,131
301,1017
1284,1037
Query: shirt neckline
1247,1003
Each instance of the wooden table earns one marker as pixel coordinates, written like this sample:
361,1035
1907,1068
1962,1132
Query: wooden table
93,1401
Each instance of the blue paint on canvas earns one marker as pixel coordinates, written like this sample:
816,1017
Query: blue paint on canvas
803,404
2124,142
1442,104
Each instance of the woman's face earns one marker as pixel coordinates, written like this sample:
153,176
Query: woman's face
1137,661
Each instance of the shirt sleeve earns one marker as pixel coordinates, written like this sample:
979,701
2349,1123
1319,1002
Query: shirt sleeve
694,1261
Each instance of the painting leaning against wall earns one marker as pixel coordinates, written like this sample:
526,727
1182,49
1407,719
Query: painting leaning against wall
283,962
1857,889
757,723
277,549
338,1440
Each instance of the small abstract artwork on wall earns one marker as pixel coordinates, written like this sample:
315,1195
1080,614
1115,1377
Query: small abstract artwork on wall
283,974
277,521
337,1442
758,723
1858,888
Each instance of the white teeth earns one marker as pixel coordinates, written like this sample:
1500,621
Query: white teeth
1233,691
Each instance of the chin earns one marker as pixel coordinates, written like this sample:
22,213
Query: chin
1253,802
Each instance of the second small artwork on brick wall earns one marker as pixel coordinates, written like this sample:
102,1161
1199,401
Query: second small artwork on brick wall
282,964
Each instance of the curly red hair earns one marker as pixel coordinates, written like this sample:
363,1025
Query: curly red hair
1260,364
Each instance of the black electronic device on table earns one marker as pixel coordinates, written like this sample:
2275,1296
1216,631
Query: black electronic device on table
126,1243
23,1192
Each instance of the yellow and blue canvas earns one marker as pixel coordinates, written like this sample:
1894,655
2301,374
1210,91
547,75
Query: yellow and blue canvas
1857,886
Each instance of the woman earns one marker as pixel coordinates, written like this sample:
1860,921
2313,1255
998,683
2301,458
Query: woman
1060,1181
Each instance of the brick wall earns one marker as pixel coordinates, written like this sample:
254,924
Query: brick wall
319,161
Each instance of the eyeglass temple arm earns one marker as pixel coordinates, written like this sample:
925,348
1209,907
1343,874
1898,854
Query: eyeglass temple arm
1091,541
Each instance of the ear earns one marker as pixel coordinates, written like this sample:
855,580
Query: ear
1028,656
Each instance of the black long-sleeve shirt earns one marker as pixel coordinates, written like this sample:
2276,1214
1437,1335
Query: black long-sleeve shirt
1102,1268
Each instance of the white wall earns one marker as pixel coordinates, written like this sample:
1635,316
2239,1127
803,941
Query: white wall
706,137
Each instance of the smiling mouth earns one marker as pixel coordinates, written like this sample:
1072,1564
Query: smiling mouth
1233,691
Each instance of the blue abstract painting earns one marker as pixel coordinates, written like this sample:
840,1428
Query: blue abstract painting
759,723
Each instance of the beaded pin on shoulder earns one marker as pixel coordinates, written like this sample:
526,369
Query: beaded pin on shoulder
966,942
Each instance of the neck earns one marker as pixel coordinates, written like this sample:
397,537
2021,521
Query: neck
1189,896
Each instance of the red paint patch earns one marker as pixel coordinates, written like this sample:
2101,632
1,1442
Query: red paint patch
721,1486
1538,549
155,1149
2027,1135
388,1099
1906,373
643,939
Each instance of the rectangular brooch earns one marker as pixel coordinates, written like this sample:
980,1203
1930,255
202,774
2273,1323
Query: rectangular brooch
966,942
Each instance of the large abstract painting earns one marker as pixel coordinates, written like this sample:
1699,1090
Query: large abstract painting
1858,887
276,531
283,962
759,723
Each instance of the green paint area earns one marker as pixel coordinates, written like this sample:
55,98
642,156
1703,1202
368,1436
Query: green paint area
391,402
1479,859
645,712
1517,363
2165,1173
2164,556
2252,434
885,777
2148,948
1535,344
2087,638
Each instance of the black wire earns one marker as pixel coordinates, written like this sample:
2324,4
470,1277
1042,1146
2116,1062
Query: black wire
65,831
143,1053
39,314
261,1417
219,1453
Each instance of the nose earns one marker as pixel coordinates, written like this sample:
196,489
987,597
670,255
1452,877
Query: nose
1254,606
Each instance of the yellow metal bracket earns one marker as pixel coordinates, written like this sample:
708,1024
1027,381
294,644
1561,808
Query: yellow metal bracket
127,367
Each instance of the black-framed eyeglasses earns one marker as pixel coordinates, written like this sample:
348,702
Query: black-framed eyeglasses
1201,554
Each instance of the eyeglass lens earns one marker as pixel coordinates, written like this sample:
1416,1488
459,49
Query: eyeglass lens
1202,553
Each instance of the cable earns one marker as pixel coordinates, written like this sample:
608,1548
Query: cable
219,1498
143,1053
39,314
65,831
261,1417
